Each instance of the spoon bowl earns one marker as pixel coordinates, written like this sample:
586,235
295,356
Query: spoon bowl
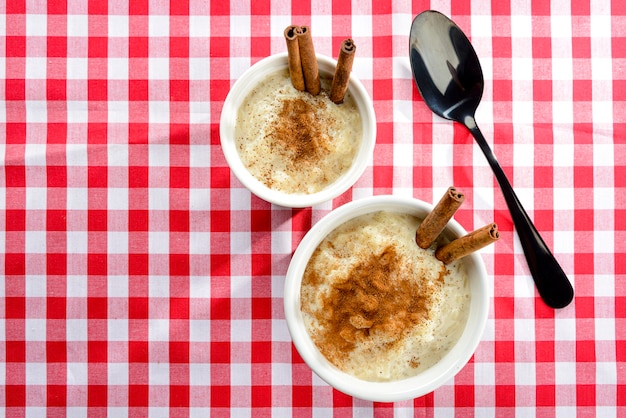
449,78
449,72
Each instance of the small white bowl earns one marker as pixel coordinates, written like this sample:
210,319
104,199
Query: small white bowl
239,91
413,387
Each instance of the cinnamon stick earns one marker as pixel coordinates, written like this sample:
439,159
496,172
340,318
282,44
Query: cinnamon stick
309,61
341,78
293,56
437,219
467,244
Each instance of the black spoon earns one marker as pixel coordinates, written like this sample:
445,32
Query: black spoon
449,78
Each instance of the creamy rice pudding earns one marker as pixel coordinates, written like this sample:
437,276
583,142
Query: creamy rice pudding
377,305
295,142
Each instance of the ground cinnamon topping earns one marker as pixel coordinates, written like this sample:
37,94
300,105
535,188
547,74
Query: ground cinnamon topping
299,132
378,298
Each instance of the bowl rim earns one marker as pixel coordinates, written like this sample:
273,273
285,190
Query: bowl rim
228,117
405,389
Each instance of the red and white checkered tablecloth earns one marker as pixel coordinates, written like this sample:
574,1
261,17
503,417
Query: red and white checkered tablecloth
140,278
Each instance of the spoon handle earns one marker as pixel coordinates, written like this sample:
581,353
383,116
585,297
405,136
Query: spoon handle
551,282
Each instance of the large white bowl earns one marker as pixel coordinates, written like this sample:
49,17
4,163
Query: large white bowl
248,81
413,387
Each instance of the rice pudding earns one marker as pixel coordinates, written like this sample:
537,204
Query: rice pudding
377,305
295,142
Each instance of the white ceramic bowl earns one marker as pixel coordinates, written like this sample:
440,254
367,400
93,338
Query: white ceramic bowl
249,80
413,387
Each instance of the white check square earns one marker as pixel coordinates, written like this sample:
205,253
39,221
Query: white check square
36,25
158,25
